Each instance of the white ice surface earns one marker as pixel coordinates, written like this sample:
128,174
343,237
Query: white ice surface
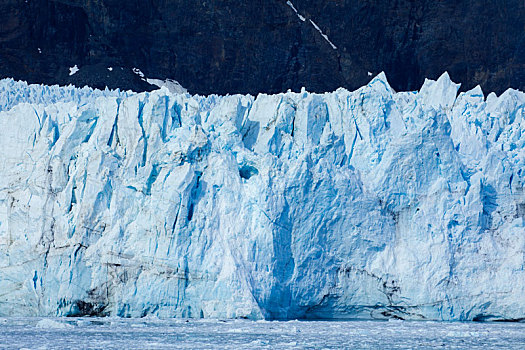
364,204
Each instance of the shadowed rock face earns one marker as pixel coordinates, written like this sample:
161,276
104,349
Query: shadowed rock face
264,46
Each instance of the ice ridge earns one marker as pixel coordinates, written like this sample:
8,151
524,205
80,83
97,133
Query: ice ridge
14,92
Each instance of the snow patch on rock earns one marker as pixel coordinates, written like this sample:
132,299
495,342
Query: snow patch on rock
73,70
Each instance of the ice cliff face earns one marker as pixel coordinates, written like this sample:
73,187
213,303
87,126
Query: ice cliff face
367,204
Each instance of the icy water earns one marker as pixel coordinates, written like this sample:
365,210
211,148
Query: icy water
111,333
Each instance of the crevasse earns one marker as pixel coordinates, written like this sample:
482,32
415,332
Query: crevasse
364,204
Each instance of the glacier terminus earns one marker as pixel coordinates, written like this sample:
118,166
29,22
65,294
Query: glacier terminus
370,204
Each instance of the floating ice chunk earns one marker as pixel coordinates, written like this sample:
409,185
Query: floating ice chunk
48,323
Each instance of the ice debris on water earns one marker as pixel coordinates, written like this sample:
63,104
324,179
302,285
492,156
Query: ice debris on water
48,323
363,204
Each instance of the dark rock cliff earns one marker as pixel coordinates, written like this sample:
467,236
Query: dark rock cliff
262,45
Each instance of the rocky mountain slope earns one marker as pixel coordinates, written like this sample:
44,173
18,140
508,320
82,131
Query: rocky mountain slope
264,46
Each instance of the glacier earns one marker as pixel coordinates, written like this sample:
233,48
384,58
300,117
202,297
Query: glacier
371,204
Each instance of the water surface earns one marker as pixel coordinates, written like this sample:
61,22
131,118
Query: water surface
150,333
